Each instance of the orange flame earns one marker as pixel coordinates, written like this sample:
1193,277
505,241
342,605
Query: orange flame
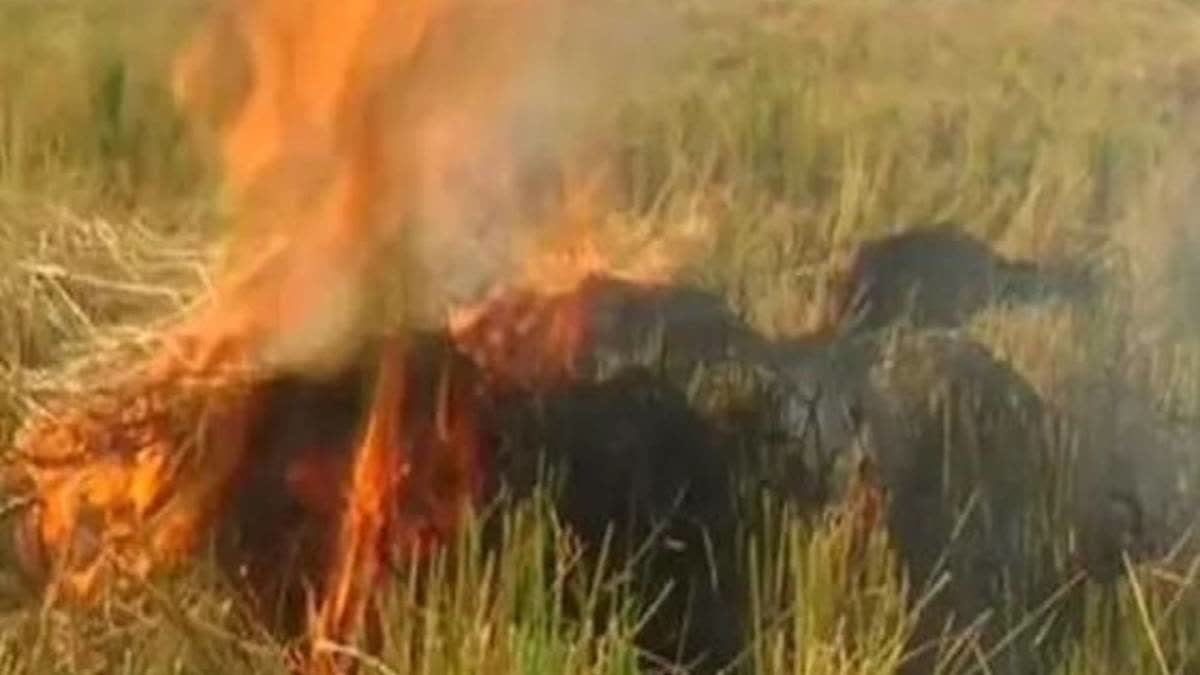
106,476
381,466
531,331
365,144
357,118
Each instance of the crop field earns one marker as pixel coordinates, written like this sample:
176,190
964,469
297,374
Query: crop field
786,133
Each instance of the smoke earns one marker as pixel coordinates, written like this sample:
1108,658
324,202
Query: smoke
404,155
485,205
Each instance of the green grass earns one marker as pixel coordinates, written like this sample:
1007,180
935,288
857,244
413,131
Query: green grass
794,127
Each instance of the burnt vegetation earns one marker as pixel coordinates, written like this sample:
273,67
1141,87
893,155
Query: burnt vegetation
681,418
940,276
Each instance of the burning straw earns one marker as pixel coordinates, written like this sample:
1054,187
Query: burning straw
398,156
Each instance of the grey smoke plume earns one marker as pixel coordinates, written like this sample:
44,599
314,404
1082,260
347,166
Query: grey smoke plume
480,213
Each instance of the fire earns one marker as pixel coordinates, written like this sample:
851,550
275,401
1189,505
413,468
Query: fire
367,149
416,469
381,465
107,476
531,331
355,117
